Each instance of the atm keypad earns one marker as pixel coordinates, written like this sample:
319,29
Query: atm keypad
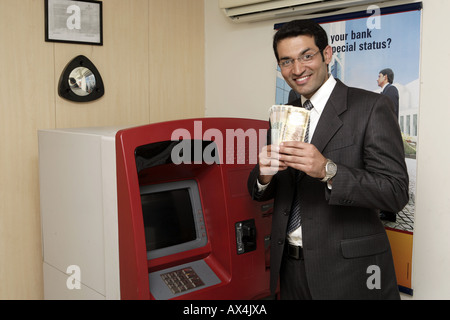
182,280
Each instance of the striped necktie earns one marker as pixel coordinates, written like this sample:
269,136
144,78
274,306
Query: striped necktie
295,220
308,106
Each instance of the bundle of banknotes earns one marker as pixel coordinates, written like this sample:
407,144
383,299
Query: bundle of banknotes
288,123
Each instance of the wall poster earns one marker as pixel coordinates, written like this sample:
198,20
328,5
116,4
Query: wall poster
364,43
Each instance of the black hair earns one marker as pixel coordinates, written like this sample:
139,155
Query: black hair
389,73
297,28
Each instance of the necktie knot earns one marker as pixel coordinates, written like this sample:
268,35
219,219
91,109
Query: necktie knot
308,105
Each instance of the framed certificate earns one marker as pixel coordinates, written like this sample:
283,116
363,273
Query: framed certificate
74,21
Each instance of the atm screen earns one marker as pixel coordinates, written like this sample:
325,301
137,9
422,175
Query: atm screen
173,218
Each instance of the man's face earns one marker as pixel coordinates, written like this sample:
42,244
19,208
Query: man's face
382,79
304,77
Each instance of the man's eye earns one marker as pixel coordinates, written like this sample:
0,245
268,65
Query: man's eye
287,62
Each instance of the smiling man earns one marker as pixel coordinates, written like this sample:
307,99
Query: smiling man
327,240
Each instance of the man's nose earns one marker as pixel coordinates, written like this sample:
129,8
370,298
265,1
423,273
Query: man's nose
298,67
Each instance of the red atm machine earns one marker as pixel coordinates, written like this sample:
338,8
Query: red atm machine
188,228
159,211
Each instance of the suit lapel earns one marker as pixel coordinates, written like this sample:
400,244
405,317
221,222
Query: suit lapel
329,122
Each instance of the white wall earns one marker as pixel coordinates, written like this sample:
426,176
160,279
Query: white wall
240,66
431,253
240,82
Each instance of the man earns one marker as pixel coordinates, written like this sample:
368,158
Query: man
385,81
353,166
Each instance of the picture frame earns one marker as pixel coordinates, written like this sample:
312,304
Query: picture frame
74,21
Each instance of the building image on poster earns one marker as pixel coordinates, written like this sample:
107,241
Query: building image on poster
363,45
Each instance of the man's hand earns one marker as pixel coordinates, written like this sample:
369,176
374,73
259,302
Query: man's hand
304,157
269,163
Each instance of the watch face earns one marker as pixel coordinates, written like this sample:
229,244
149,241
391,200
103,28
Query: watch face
331,168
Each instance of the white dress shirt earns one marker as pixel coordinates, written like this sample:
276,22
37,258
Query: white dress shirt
319,100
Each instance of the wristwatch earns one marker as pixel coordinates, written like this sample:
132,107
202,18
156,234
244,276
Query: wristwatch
330,170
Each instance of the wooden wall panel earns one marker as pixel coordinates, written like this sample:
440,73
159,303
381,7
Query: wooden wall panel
122,62
177,68
152,64
26,105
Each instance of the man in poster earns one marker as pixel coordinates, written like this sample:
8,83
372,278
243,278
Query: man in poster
385,82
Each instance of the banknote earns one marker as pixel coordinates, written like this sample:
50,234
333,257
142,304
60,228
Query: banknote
288,123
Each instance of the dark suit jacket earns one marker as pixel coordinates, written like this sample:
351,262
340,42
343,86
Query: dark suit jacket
392,92
343,236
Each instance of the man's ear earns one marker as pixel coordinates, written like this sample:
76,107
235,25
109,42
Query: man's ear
328,54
